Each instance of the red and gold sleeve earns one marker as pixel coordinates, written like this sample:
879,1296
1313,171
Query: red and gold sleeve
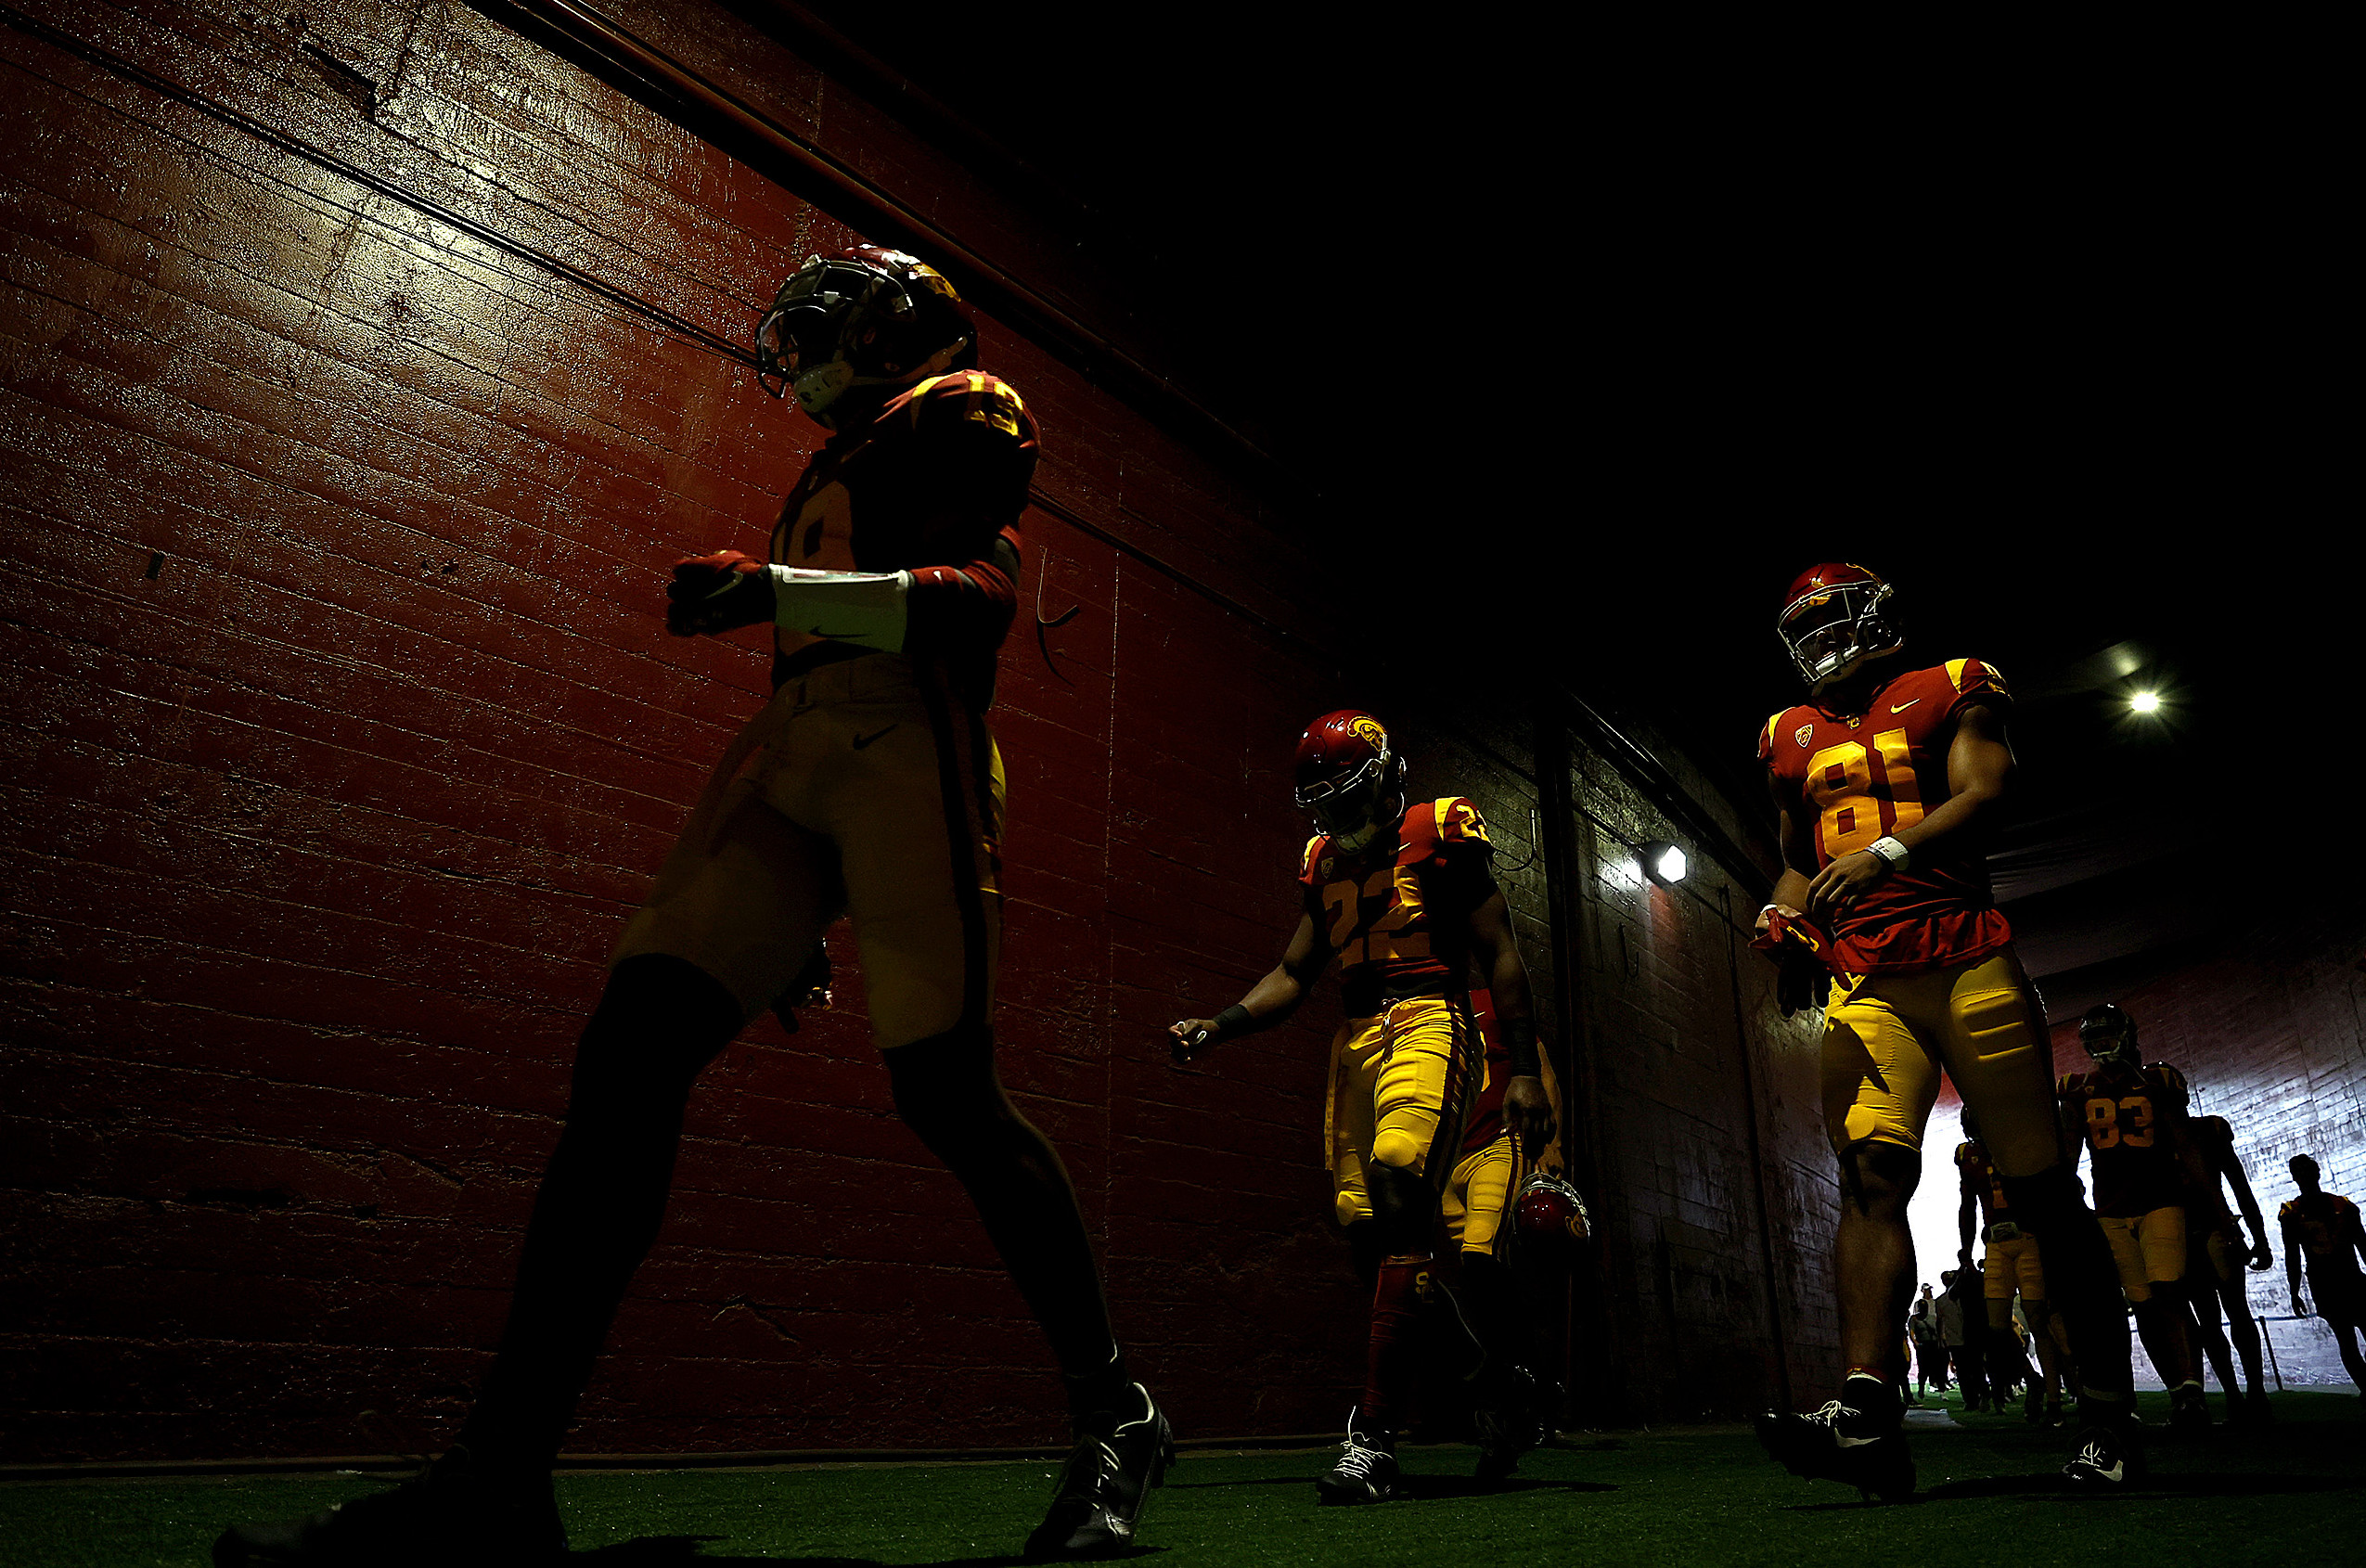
1458,822
976,447
1975,680
1767,737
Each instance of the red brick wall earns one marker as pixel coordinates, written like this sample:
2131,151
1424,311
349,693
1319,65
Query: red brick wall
343,732
1683,1047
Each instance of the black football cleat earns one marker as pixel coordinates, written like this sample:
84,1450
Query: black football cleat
2251,1409
1366,1471
1510,1423
2108,1457
2188,1409
454,1513
1102,1487
1841,1442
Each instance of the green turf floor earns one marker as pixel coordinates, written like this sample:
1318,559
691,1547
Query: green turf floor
2292,1496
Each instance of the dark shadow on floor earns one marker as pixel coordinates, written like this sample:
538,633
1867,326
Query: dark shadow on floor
1423,1486
682,1551
2052,1488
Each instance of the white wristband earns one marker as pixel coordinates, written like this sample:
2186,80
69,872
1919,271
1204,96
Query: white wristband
1894,854
857,606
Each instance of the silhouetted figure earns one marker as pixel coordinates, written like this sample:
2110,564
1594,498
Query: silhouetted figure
2216,1259
2322,1229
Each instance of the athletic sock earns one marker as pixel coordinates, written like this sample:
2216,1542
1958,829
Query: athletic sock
1392,1362
1871,1395
1098,1400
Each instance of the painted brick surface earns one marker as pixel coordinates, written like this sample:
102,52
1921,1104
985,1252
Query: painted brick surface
2268,1021
344,732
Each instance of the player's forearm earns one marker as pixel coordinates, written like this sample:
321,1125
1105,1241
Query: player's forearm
1515,1013
1269,1001
1977,803
1791,889
1963,1223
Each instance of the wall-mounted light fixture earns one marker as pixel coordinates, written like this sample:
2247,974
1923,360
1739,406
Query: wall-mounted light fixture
1664,862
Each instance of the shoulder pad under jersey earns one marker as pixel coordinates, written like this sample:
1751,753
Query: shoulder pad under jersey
1974,678
2070,1084
973,396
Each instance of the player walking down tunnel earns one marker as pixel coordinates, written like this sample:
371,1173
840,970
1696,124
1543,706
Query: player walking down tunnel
553,937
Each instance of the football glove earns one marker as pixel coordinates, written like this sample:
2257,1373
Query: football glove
717,593
1798,944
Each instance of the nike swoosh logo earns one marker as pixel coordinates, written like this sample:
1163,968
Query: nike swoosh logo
1842,1440
863,740
1902,707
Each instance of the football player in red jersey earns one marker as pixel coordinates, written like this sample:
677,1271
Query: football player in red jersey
2131,1119
869,786
2322,1229
1887,781
2012,1264
1402,895
2214,1259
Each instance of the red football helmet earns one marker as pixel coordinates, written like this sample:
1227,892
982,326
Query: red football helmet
864,317
1832,622
1349,778
1551,1210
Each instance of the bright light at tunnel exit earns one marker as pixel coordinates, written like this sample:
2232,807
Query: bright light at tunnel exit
2145,702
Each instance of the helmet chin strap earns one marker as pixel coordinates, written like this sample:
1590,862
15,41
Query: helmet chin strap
1352,843
822,386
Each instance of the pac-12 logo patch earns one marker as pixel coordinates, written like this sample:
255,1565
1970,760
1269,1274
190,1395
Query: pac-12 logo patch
1324,869
1805,733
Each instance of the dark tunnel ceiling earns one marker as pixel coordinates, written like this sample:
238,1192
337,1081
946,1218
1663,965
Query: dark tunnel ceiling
1601,338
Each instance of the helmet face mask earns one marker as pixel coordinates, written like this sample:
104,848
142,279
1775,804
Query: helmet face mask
1834,621
2109,1036
1347,778
1549,1209
859,317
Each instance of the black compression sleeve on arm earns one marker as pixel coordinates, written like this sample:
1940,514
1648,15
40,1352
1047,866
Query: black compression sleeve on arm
1232,1021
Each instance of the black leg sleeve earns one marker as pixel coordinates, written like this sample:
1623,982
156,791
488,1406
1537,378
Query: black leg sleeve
658,1022
947,1092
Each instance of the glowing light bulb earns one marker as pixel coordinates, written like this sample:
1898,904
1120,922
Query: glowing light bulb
2145,702
1665,864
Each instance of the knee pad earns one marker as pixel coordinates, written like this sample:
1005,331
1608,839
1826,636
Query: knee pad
1398,1150
1404,1209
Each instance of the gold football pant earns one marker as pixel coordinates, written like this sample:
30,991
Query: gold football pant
1888,1036
2013,1265
864,788
1479,1195
2149,1248
1401,1086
